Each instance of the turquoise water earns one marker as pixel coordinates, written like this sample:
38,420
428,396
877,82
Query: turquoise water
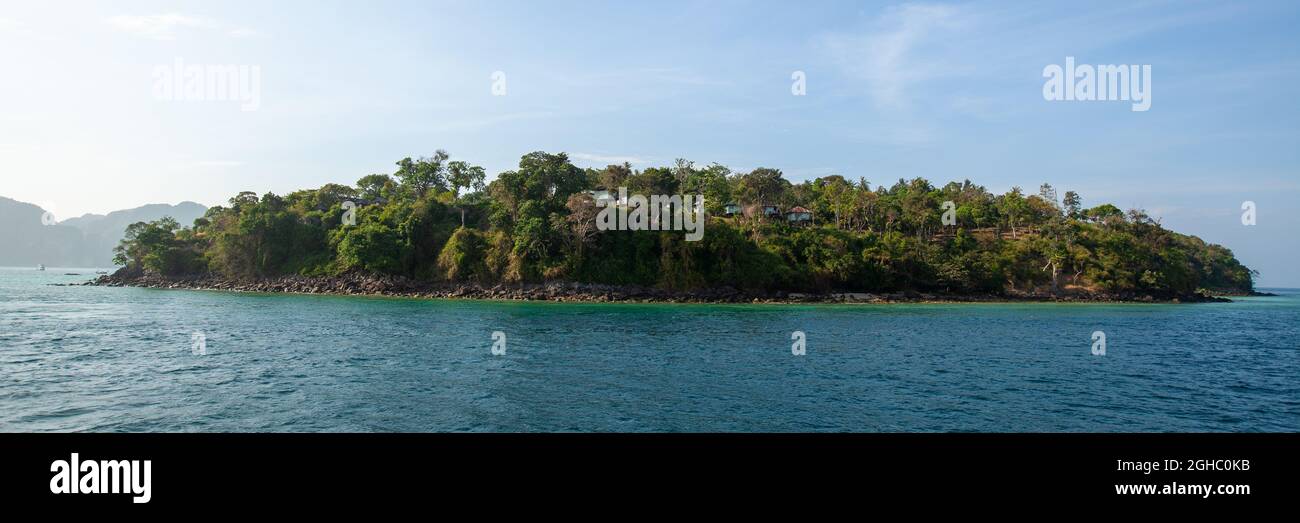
121,359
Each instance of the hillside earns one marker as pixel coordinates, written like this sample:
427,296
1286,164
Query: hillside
85,241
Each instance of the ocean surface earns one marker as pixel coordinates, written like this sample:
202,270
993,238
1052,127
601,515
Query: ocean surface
78,358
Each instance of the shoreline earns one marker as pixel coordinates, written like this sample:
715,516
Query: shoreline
356,284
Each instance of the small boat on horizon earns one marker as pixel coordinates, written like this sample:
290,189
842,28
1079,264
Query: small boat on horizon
40,267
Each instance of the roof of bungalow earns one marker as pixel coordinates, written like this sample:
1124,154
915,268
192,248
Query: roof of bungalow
797,209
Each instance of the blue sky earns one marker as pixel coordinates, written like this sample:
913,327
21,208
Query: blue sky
947,91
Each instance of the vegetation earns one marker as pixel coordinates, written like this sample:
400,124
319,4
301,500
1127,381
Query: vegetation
434,220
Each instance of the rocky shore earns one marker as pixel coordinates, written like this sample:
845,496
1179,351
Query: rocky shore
397,286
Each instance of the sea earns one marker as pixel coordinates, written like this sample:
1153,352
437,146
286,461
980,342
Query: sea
79,358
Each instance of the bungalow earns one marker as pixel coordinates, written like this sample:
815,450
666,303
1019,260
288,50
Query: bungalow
762,211
799,216
731,209
607,196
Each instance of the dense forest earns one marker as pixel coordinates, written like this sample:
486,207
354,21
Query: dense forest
435,220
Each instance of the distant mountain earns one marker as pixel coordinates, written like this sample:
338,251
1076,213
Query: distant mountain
85,241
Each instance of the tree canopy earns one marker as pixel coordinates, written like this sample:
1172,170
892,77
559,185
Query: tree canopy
435,219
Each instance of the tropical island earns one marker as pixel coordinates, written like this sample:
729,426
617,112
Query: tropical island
433,228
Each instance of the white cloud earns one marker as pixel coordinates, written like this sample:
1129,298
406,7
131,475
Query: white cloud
488,121
892,57
14,27
217,163
157,27
608,159
978,106
169,26
630,77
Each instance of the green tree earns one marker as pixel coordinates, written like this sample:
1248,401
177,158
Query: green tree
425,174
463,258
158,247
763,186
462,175
1073,204
375,186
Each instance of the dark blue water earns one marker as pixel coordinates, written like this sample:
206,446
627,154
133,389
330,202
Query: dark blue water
119,359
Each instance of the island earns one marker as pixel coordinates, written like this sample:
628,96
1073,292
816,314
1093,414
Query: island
433,228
